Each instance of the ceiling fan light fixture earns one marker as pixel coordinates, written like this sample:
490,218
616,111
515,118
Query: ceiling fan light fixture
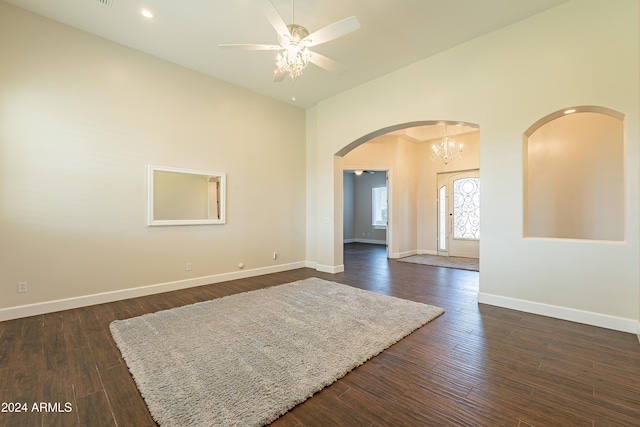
294,43
294,55
293,60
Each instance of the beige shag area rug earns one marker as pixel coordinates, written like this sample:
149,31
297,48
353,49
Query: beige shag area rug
444,261
245,359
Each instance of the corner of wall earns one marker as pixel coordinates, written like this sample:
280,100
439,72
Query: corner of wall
332,269
311,142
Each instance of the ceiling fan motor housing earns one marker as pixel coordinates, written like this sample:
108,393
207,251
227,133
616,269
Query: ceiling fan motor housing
296,34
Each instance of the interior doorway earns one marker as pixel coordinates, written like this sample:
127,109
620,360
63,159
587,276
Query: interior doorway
366,207
404,151
458,195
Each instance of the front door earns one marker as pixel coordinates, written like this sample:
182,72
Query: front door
459,214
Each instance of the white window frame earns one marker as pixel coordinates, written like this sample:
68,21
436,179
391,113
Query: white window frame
379,201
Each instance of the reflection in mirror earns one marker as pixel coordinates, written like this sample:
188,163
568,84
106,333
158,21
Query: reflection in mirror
185,196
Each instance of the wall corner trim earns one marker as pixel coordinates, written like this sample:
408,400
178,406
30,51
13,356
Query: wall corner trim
397,255
333,269
427,252
573,315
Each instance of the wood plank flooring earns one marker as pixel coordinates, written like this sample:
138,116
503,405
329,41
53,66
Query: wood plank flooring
476,365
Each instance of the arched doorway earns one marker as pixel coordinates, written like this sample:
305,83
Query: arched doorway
404,152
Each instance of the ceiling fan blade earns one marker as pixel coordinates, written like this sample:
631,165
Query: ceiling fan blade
274,18
250,46
326,63
279,75
332,31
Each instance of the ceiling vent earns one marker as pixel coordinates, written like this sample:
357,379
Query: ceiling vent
105,2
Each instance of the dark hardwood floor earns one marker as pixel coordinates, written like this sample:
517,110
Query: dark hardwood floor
476,365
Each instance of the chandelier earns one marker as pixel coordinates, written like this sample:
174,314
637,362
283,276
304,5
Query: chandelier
294,56
446,150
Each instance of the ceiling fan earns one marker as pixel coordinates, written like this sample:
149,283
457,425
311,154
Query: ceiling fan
294,43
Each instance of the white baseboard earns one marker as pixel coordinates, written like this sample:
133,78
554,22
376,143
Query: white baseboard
370,241
412,252
349,241
396,255
105,297
427,252
333,269
564,313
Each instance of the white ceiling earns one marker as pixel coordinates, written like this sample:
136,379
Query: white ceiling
393,34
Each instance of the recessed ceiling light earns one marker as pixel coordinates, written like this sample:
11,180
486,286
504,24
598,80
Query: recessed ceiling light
572,110
147,13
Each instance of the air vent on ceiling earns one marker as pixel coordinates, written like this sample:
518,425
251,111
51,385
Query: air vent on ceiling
105,2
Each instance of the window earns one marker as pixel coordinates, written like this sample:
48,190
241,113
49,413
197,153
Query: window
442,218
379,207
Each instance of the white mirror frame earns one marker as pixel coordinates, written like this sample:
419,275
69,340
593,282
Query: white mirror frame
151,221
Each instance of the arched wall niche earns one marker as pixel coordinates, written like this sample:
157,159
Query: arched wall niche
574,175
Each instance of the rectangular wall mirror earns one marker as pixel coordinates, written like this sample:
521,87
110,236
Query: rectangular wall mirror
185,196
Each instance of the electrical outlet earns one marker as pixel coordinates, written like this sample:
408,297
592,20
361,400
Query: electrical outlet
188,266
22,287
275,255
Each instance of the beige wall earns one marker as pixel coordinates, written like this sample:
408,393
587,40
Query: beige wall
397,157
80,120
574,184
313,221
81,117
348,207
504,82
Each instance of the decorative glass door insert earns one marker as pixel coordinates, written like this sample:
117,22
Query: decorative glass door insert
458,212
466,208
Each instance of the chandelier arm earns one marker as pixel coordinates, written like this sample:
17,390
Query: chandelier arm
446,150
